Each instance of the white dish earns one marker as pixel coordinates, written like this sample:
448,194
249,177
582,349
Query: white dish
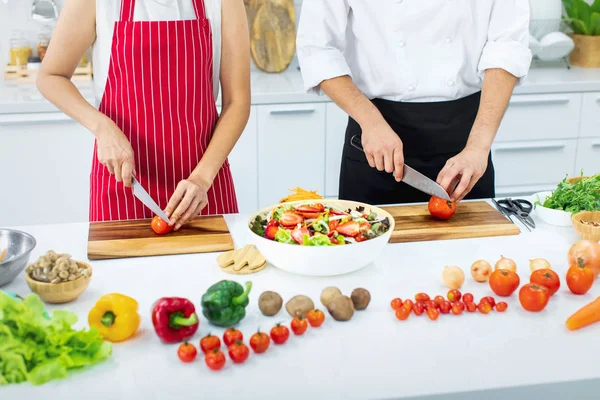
548,215
555,46
323,261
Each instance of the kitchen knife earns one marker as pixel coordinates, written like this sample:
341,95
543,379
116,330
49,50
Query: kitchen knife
413,177
145,198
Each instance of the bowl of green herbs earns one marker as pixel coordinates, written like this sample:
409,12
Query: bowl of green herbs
570,197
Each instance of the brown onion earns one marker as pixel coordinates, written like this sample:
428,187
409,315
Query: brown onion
481,271
453,277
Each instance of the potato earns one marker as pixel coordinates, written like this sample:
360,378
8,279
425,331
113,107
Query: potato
360,298
341,308
329,294
299,306
270,303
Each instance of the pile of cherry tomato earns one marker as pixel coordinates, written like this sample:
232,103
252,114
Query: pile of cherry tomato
237,349
455,303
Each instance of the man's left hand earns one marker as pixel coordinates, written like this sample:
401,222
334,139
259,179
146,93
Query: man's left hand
463,171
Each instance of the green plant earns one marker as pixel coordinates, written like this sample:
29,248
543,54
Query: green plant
584,19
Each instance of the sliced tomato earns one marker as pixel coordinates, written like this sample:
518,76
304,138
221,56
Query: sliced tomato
335,212
319,207
298,234
290,219
360,238
364,226
307,209
311,215
349,229
333,240
333,225
271,230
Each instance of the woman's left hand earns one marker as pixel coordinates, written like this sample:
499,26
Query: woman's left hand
187,202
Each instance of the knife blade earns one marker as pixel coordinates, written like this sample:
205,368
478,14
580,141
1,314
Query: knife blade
145,198
412,177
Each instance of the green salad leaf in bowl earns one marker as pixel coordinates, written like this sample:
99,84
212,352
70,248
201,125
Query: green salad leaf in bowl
582,195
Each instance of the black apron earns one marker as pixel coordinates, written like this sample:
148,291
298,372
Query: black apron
431,133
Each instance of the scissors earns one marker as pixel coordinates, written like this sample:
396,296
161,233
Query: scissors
520,208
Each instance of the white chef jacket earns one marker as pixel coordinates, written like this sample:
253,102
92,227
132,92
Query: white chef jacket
412,50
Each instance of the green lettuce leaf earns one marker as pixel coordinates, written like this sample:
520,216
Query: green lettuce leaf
284,236
317,240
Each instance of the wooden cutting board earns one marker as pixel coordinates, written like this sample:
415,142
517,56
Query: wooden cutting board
122,239
472,220
272,26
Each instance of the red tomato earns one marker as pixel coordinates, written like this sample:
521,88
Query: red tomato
580,278
231,336
349,229
209,343
315,318
439,300
298,234
319,207
441,209
504,282
238,352
299,325
215,359
271,229
454,295
471,307
159,226
309,212
187,352
422,297
260,342
433,313
364,226
445,307
501,307
431,304
402,313
396,304
534,297
418,308
290,219
280,334
490,300
468,298
458,308
333,224
484,307
360,238
546,277
408,304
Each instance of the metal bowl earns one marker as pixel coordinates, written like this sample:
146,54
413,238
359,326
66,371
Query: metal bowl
18,247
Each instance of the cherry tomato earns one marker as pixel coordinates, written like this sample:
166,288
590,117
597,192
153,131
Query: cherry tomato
260,342
504,282
458,308
484,307
215,359
187,352
439,300
396,303
534,297
454,295
209,342
299,325
418,308
422,297
501,307
431,304
402,313
238,352
546,277
490,300
433,313
468,298
471,307
231,336
445,307
441,209
160,227
315,318
408,304
280,334
580,278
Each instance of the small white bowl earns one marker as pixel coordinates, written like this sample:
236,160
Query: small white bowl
323,261
555,46
549,215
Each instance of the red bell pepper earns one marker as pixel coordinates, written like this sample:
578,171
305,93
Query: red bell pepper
174,319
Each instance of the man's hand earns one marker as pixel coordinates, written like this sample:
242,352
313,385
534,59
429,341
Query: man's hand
463,171
383,148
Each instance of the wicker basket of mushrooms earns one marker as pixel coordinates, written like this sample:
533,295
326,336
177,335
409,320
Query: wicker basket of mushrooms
55,268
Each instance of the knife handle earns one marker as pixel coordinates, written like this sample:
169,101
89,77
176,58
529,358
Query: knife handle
356,142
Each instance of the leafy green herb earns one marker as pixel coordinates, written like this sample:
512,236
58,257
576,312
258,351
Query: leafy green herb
258,225
583,18
372,216
317,240
284,236
320,226
583,195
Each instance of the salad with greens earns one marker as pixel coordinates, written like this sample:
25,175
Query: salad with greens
319,225
583,195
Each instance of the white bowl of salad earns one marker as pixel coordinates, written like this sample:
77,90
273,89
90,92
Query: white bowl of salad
321,237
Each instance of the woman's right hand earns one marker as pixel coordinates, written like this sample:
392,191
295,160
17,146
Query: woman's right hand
115,152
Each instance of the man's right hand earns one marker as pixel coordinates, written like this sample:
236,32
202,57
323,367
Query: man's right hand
383,148
115,152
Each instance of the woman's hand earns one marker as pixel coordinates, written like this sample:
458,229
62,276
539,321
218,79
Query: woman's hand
189,199
115,152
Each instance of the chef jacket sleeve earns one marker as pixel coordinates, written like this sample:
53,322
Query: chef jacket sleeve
507,44
321,41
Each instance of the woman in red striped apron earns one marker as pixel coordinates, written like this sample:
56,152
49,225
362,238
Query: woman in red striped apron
158,65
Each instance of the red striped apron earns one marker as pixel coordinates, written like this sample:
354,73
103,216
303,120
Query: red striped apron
159,92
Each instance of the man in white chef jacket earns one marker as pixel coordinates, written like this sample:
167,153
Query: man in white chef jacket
424,82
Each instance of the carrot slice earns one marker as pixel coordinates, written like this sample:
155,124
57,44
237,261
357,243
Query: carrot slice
585,316
2,255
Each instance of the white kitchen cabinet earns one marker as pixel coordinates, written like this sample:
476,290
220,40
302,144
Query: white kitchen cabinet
588,157
590,116
335,132
45,162
244,166
541,117
291,150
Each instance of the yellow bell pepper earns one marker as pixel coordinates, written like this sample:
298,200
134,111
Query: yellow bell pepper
115,316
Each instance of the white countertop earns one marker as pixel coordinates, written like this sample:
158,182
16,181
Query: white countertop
373,356
287,87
